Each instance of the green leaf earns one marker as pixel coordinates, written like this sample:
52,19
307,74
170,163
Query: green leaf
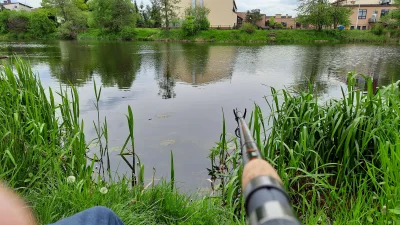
369,218
395,210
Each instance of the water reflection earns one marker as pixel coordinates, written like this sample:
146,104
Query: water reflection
312,67
165,62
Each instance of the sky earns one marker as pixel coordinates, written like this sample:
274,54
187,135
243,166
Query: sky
270,7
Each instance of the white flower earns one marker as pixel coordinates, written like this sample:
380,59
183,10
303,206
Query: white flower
103,190
71,179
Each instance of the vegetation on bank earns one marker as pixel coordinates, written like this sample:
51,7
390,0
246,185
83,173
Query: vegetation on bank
338,158
233,36
43,157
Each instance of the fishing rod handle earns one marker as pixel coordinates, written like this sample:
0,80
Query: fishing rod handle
266,201
255,168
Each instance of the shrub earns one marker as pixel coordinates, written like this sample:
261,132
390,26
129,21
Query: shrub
248,28
18,22
68,30
377,29
203,24
200,17
4,20
278,26
40,24
128,33
71,28
189,26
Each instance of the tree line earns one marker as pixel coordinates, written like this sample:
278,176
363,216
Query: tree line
67,18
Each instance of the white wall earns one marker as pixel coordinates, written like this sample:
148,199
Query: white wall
17,7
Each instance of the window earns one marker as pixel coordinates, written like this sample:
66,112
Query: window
358,27
352,28
384,12
15,7
364,27
362,14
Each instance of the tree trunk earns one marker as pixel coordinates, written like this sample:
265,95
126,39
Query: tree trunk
166,17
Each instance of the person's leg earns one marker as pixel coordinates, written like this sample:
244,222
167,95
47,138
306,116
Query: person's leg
98,215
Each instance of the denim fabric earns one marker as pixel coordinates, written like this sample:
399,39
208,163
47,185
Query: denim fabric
98,215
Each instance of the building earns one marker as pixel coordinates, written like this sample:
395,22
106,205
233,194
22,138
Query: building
366,13
242,18
222,12
15,6
287,21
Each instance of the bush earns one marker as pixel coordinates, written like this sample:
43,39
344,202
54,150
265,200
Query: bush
128,33
189,26
200,17
248,28
278,26
377,29
40,24
4,15
203,24
67,30
18,22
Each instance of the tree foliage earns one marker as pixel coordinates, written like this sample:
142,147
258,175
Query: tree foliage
200,15
169,10
71,15
196,20
253,16
272,21
34,24
340,15
314,12
189,26
321,13
40,24
154,13
113,15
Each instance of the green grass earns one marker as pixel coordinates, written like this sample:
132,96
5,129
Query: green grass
238,36
42,143
230,36
338,159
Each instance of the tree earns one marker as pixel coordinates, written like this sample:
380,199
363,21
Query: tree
155,13
200,16
315,12
253,16
272,21
168,11
340,15
73,19
113,15
59,7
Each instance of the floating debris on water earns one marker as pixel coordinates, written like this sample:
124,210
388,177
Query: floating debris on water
167,142
162,116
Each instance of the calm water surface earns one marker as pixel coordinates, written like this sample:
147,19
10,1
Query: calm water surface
178,91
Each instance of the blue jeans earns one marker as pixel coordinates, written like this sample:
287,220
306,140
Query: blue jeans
98,215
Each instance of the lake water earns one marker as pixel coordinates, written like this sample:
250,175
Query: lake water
177,91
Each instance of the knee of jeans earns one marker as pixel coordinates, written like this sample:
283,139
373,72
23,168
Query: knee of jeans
102,210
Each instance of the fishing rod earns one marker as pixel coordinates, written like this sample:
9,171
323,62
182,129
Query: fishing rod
266,201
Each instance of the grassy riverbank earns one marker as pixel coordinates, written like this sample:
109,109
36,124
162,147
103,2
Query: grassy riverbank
234,36
338,159
43,148
227,36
